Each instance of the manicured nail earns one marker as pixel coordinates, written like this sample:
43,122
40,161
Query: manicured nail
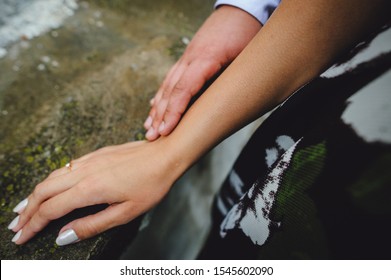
162,126
152,101
148,122
21,206
16,236
67,237
14,223
150,133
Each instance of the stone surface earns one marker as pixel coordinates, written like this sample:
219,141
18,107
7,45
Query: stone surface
80,87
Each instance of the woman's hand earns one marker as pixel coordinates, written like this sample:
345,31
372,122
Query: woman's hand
131,178
220,39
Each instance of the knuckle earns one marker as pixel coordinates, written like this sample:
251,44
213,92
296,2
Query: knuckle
86,168
86,186
45,212
39,191
83,187
180,87
165,95
89,167
89,229
54,173
123,217
173,111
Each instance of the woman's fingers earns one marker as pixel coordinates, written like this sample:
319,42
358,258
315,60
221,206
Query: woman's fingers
80,229
76,176
41,193
84,194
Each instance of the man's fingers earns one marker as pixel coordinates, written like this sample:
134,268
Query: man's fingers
92,225
188,86
169,81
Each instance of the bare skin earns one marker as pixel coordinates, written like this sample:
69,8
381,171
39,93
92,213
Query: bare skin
133,177
219,41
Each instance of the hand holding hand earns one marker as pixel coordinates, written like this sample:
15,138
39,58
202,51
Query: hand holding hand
220,39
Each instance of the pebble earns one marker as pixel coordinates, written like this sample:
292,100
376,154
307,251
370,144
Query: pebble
185,40
41,67
45,59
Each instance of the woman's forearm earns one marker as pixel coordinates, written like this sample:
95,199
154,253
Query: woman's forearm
301,39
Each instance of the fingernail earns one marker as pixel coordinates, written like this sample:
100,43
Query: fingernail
14,223
148,122
16,236
150,133
162,126
67,237
152,101
21,206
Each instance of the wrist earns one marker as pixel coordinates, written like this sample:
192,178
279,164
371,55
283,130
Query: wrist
172,156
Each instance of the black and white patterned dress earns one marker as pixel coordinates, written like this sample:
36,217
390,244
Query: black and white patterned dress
314,181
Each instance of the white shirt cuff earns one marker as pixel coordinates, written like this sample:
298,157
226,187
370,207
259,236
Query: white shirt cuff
260,9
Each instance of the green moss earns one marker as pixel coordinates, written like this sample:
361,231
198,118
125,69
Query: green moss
10,188
140,136
177,49
29,159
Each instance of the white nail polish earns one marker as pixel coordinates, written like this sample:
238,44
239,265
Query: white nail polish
67,237
14,223
17,235
21,206
162,126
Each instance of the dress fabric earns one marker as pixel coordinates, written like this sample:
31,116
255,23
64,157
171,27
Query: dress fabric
314,181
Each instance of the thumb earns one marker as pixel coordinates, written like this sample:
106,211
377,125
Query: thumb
92,225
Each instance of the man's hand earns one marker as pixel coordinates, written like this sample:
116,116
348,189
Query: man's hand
220,39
